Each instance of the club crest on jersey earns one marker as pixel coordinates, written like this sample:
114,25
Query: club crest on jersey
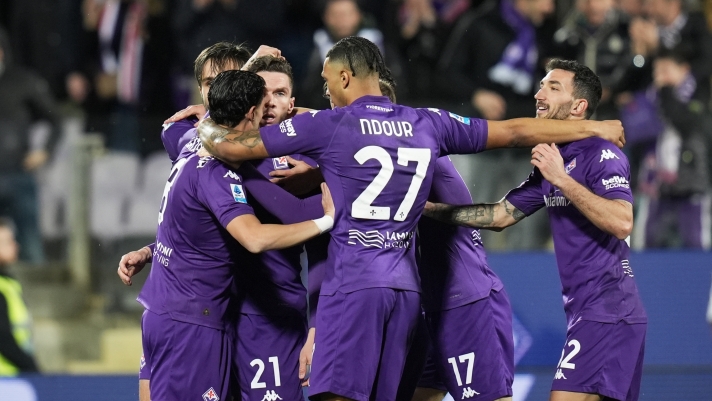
210,395
280,162
238,193
570,166
464,120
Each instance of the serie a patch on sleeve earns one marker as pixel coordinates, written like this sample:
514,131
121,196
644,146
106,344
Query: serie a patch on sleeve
463,120
238,193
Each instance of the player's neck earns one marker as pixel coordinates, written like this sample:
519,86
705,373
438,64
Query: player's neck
361,89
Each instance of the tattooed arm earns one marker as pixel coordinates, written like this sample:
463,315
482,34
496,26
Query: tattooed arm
490,216
230,144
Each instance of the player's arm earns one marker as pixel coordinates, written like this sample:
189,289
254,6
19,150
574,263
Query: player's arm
524,132
257,237
231,145
613,216
490,216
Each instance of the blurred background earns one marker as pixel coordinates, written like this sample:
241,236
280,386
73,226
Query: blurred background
86,84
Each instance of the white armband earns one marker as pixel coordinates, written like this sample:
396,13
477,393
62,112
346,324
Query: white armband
325,223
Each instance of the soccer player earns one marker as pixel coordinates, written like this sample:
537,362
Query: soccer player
376,156
204,210
585,187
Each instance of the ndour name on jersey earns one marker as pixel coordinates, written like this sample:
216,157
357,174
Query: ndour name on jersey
388,128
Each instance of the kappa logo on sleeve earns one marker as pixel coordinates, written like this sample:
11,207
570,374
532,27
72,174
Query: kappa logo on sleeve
434,110
286,127
233,175
313,112
238,193
167,125
463,120
607,154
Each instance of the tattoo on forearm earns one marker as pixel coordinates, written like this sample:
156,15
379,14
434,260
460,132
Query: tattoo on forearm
513,211
212,134
477,216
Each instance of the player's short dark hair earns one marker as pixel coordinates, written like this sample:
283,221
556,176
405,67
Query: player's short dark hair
232,94
361,56
587,85
221,55
273,64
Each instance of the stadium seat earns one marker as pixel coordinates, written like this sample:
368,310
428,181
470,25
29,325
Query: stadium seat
144,204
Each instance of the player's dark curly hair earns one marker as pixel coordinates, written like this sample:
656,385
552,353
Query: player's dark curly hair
587,85
221,55
362,57
273,64
232,94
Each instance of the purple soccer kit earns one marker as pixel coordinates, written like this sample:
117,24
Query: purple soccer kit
468,312
603,308
189,294
378,159
271,328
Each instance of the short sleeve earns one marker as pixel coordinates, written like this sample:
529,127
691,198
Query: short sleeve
307,134
222,191
529,195
609,174
458,135
176,135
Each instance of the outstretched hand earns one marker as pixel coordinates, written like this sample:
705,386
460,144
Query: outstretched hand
197,110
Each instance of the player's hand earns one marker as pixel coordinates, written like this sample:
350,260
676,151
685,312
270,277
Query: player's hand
262,51
132,263
326,202
305,358
35,159
197,110
611,130
549,161
298,180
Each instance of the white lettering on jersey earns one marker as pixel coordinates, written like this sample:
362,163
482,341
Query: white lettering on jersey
388,128
615,182
607,154
379,108
286,127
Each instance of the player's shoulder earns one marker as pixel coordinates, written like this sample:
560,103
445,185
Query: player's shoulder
183,125
600,149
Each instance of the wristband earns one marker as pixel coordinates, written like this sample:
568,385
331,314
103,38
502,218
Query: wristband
324,223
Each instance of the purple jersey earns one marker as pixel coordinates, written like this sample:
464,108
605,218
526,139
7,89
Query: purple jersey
195,257
453,264
596,277
176,135
378,159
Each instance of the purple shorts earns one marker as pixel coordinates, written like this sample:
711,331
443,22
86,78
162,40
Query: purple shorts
188,361
474,348
602,358
266,359
431,377
362,339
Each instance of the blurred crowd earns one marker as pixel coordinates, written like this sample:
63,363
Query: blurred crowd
126,65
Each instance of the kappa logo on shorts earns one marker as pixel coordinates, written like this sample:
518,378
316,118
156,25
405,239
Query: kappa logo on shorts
469,393
280,162
271,395
559,375
210,395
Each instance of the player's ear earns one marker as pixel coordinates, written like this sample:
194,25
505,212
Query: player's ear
251,113
345,78
579,107
291,104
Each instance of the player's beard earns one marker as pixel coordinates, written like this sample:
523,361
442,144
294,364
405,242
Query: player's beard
560,112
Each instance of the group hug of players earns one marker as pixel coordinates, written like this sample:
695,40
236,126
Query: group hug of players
400,307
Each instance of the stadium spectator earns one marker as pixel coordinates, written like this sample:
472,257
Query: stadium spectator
675,173
15,335
341,18
25,98
489,65
596,35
